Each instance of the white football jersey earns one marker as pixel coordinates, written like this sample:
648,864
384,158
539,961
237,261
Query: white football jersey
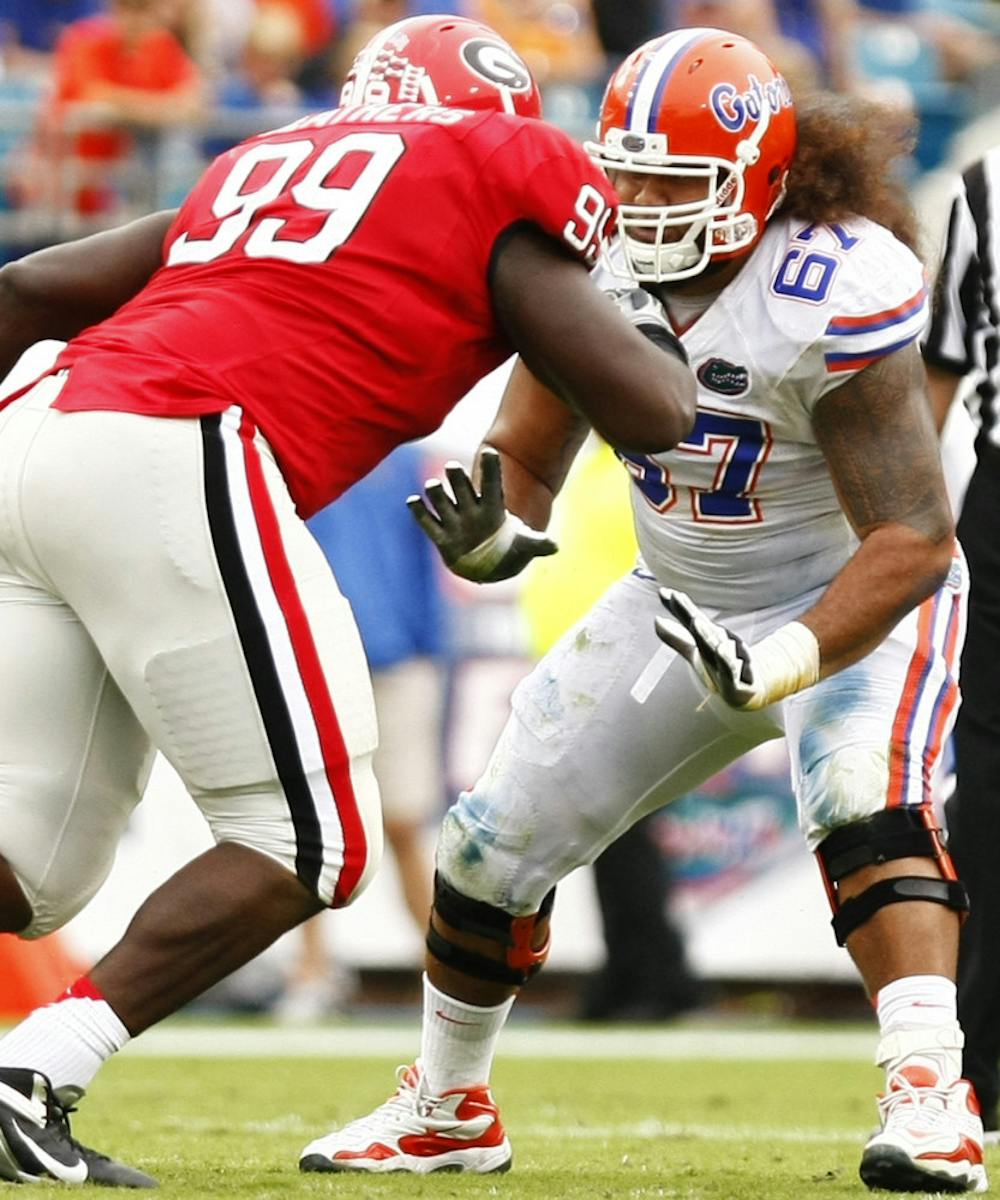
743,513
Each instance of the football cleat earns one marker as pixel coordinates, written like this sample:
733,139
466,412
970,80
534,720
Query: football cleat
931,1137
413,1131
36,1143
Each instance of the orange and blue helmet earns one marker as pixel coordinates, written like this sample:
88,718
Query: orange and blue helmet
697,104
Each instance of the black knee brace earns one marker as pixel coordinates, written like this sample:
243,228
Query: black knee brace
485,921
890,834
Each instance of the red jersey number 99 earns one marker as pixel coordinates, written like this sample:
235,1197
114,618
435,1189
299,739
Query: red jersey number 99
587,233
261,178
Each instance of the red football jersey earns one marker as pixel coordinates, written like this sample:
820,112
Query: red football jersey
332,279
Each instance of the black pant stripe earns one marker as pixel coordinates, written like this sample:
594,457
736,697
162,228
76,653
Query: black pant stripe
264,676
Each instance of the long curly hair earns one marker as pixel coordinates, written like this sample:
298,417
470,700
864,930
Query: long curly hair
846,164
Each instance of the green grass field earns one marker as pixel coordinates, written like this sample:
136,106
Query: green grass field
616,1124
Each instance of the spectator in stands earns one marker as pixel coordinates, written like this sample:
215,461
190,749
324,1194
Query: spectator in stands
115,74
556,39
963,48
826,30
369,16
622,27
214,32
29,30
391,575
759,21
935,63
262,92
271,57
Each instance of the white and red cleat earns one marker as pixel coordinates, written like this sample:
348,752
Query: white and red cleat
931,1139
413,1131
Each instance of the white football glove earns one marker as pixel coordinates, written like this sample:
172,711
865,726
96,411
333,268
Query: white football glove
746,677
474,533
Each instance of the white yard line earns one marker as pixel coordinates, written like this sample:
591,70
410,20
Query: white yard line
649,1129
653,1130
180,1040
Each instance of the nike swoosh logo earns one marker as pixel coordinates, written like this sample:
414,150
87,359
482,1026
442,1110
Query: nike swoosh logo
467,1131
67,1172
454,1020
444,1119
966,1151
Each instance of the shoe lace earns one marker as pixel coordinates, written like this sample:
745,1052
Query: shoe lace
401,1107
59,1115
930,1104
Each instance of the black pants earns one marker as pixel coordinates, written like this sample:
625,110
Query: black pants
974,812
646,975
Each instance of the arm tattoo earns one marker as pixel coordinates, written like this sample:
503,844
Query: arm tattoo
878,438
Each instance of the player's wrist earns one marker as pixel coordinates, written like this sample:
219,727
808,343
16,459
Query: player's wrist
785,662
481,563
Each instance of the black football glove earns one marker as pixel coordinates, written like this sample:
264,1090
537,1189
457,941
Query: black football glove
719,658
746,677
474,533
648,315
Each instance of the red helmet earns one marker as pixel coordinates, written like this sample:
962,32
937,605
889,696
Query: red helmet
450,61
698,104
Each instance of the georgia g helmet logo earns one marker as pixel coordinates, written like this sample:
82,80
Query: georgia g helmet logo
454,62
498,64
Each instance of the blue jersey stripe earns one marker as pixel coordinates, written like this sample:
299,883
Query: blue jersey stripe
862,356
848,326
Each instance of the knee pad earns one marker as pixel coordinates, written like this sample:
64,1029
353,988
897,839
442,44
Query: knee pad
513,934
890,834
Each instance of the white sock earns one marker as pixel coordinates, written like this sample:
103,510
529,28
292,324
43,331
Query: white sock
458,1040
918,1021
68,1041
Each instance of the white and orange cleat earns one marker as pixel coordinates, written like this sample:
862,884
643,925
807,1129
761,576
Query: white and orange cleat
931,1139
413,1131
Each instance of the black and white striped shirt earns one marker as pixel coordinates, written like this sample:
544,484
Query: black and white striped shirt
964,334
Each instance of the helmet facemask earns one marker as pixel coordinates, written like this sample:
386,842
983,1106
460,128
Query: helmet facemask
713,226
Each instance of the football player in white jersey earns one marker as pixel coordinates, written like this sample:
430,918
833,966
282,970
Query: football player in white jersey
799,577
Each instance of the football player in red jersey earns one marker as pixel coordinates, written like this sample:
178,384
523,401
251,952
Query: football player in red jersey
801,540
327,291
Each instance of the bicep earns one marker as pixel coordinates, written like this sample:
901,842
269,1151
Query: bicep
59,291
573,339
879,441
89,278
542,299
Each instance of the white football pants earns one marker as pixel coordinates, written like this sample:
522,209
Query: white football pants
158,591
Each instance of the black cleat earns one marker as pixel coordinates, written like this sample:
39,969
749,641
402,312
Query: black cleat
36,1143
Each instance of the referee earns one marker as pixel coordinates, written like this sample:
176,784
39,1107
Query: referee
963,344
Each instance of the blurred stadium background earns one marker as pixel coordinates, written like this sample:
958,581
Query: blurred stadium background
111,108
